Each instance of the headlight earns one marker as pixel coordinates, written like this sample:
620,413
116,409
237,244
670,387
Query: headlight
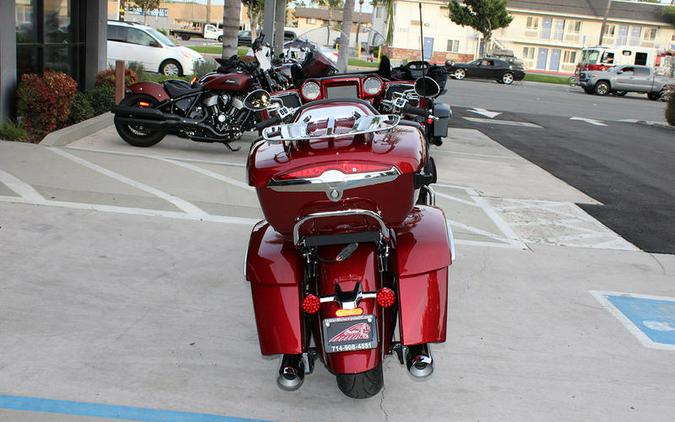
311,90
372,85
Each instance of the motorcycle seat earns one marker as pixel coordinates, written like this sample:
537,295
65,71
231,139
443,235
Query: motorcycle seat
177,88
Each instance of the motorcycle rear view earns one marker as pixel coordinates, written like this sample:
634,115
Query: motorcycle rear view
348,249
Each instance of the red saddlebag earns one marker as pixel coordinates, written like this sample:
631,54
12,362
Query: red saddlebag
423,256
275,273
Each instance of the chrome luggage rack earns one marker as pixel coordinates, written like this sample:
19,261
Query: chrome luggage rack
383,230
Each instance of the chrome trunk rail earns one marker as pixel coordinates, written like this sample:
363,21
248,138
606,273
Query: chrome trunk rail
384,231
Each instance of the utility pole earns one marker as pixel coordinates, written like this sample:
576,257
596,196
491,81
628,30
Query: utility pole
604,21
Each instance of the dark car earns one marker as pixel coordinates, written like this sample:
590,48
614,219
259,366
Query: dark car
487,68
244,38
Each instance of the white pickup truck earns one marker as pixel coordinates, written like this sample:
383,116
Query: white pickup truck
209,32
620,80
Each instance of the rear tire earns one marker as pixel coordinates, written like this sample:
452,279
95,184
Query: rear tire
363,385
137,135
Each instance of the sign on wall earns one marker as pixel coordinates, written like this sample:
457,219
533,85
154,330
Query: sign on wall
161,12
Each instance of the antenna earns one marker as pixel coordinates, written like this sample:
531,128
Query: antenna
421,31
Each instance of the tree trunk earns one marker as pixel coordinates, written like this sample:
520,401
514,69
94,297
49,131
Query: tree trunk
145,16
345,33
330,23
279,24
231,11
254,26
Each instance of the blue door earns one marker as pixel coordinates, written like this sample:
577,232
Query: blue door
555,60
546,28
542,58
428,48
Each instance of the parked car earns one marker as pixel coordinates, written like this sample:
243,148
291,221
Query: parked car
487,68
138,43
209,32
620,80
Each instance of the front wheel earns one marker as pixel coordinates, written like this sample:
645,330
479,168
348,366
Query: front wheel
654,95
363,385
507,78
220,38
601,88
171,68
138,135
460,74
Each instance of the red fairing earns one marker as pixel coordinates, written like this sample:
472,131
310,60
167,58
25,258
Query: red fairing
361,266
422,258
152,89
275,273
227,82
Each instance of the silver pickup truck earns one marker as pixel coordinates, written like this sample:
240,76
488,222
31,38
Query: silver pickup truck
619,80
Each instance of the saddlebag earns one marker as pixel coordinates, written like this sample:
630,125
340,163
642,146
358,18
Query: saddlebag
423,255
275,273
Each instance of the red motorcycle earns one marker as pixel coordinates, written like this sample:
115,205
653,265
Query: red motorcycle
349,248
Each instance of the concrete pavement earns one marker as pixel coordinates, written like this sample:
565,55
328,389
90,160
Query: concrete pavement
122,285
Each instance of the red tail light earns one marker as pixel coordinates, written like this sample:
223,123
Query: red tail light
346,167
311,304
386,297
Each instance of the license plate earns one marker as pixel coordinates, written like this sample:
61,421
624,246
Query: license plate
350,333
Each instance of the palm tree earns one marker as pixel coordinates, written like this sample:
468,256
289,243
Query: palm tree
330,4
389,8
345,33
358,28
231,11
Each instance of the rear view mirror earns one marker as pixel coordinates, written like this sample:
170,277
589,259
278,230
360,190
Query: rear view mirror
427,87
257,100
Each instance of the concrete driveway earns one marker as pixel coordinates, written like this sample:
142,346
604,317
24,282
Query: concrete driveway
121,295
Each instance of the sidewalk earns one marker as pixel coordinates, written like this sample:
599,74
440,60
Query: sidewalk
122,285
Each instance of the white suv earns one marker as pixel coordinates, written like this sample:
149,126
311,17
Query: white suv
138,43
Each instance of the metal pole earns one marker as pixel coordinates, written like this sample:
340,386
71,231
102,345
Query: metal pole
604,21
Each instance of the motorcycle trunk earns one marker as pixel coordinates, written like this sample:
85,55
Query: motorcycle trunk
417,261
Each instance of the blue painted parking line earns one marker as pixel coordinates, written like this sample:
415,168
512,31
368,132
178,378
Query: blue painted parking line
649,318
34,404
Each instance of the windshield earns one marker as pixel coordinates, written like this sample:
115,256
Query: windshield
590,56
322,126
161,37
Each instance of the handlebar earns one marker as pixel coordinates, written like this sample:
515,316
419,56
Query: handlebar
267,123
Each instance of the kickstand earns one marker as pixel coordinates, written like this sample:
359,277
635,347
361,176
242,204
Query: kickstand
231,148
400,351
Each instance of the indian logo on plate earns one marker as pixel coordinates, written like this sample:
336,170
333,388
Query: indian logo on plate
360,331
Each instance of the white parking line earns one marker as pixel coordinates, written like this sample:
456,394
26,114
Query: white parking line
502,122
209,173
178,202
149,155
23,189
591,121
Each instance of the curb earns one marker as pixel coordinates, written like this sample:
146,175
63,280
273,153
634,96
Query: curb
78,131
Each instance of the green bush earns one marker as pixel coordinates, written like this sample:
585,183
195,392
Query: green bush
138,68
670,109
202,68
81,109
101,99
107,78
10,131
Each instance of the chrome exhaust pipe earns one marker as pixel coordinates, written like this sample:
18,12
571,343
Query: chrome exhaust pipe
291,373
419,361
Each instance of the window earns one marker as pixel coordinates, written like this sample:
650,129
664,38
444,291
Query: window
641,71
569,56
378,11
528,53
558,29
650,34
607,58
415,23
622,38
609,30
574,27
532,22
628,70
453,46
117,33
635,35
136,36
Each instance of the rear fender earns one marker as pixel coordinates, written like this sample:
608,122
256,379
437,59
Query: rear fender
423,255
152,89
275,272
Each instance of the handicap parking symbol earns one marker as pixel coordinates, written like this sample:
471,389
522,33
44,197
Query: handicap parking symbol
649,318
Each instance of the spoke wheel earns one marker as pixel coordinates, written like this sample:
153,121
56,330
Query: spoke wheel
507,78
460,74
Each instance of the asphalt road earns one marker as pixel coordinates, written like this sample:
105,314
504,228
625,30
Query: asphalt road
628,167
551,100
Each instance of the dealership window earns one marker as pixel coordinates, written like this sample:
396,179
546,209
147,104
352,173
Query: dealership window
528,53
378,11
569,56
50,36
650,34
532,22
453,46
635,35
311,21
